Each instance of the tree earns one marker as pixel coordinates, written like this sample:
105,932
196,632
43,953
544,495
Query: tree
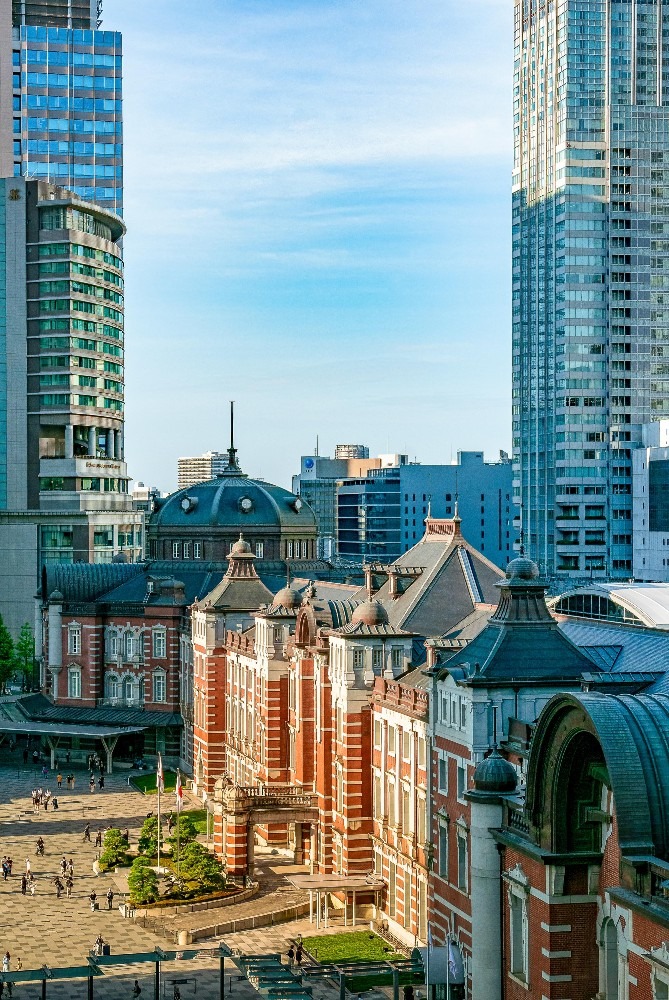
143,881
7,658
25,655
186,829
198,865
148,837
115,849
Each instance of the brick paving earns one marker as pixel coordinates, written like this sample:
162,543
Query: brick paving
44,929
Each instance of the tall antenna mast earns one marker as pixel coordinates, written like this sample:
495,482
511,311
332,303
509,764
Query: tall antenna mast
232,451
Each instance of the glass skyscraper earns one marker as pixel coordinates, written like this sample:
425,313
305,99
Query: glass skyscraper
590,271
67,121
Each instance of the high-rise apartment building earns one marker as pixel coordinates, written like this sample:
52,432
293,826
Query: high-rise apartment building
200,468
590,271
61,97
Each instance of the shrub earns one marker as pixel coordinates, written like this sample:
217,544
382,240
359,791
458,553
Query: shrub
148,837
142,882
114,850
196,864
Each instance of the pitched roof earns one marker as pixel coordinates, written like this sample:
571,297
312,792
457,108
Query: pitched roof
36,706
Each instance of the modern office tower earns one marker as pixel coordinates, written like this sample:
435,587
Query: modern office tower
63,478
60,98
351,451
590,271
200,468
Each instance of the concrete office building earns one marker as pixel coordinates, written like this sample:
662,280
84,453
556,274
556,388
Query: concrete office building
63,477
200,468
318,480
590,259
61,97
382,515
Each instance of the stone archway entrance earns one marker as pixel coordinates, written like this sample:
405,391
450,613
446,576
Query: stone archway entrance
238,809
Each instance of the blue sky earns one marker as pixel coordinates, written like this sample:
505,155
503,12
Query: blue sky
318,202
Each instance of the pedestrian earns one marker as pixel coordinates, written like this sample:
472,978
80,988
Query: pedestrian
137,989
67,781
5,962
70,868
101,781
87,833
59,887
31,884
93,897
98,838
9,864
27,866
63,864
170,823
126,835
5,869
298,954
99,944
24,884
45,771
72,781
59,780
110,898
54,803
46,804
69,883
91,783
291,955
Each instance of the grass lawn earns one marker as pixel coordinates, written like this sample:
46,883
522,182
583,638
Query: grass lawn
146,783
199,817
349,947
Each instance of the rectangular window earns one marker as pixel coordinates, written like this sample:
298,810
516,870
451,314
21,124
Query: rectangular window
406,810
397,658
74,640
407,899
159,644
377,660
260,549
443,849
443,774
406,745
197,550
186,550
421,751
462,780
377,734
421,819
175,550
463,713
392,888
74,684
392,820
159,686
391,739
518,935
358,659
462,862
377,796
422,910
129,646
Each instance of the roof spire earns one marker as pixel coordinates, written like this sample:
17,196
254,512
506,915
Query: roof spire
233,465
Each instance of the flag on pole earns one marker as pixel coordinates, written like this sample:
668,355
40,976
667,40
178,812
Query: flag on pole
160,780
179,792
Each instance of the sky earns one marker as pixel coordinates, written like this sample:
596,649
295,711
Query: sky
317,195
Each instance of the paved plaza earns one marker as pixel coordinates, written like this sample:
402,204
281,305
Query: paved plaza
60,932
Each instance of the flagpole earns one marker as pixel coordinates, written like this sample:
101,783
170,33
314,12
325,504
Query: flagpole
448,966
178,816
159,783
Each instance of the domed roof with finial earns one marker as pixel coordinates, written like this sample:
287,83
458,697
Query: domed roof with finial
241,547
287,598
370,613
522,568
495,775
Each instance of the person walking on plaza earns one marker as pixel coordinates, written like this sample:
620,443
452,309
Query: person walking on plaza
5,962
110,898
59,887
91,783
69,883
98,837
27,866
87,833
63,865
70,868
93,898
54,803
72,781
24,884
137,989
59,780
101,781
31,884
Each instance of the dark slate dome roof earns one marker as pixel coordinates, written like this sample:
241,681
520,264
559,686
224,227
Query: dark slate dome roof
287,598
370,613
495,774
235,501
522,568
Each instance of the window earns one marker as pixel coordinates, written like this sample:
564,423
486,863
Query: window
407,899
421,819
518,935
377,796
462,861
291,756
406,745
175,550
197,550
260,549
377,734
377,659
661,990
406,810
112,645
392,887
131,646
112,686
463,713
159,686
397,658
74,682
74,641
443,774
339,777
159,644
391,739
422,910
421,751
186,550
390,799
462,780
443,849
358,658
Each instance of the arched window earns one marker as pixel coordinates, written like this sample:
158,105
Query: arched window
112,686
611,962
